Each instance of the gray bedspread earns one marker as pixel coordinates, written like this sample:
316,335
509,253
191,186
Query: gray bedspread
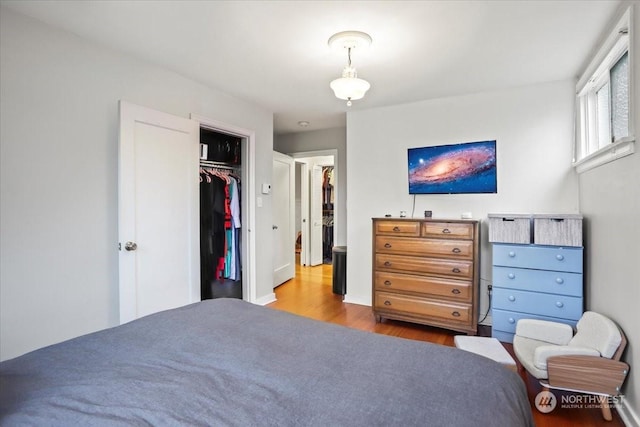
227,362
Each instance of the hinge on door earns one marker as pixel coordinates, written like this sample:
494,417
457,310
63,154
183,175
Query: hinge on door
119,246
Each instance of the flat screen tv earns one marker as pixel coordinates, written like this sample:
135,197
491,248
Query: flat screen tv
453,169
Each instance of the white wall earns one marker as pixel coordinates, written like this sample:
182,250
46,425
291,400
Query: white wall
610,201
319,140
533,128
58,139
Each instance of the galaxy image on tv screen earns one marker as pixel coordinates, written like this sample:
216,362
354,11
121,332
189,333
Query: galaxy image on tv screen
453,169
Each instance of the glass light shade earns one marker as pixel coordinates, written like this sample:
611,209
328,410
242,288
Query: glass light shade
350,88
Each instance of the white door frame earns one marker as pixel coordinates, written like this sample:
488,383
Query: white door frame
336,176
304,213
248,137
316,217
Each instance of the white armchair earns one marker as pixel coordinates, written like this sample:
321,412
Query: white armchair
587,362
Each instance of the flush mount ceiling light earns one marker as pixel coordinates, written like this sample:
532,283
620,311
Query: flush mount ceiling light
349,87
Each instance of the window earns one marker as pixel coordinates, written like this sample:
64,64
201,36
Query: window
604,129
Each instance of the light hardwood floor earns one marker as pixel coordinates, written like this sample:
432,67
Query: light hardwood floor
310,294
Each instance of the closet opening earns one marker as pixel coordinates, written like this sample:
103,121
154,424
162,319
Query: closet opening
220,215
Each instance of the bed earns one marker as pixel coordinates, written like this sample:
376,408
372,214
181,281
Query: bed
228,362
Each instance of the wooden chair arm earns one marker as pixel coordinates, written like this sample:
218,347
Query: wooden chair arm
587,373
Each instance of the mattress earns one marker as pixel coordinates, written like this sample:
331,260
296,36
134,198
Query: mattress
227,362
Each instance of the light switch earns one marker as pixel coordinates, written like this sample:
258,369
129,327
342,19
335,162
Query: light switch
259,201
266,188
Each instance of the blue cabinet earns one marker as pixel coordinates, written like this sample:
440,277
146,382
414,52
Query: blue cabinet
535,282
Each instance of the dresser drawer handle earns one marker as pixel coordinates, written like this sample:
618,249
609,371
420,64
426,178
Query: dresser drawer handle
396,228
559,257
512,254
387,282
512,298
455,291
512,276
559,280
387,245
456,250
559,304
387,302
446,231
387,263
456,270
455,314
512,320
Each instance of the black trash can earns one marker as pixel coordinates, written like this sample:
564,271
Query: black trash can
340,270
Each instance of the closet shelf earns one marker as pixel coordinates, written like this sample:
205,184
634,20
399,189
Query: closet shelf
219,165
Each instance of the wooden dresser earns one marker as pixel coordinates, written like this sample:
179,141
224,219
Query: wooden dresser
427,271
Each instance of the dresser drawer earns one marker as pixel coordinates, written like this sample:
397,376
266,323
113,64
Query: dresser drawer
440,267
559,230
510,228
424,307
451,230
551,282
425,247
399,228
538,257
560,306
506,321
456,289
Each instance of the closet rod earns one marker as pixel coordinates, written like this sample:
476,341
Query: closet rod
219,165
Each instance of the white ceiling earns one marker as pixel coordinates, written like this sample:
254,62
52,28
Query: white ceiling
275,53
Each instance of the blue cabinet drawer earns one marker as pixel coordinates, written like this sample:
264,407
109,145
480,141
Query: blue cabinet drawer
538,257
506,321
560,306
550,282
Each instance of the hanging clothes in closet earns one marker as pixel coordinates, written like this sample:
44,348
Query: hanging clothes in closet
327,214
220,226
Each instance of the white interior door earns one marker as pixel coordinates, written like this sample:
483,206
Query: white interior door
283,197
158,212
304,213
315,208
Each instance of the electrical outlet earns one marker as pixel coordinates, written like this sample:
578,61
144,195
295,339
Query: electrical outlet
489,288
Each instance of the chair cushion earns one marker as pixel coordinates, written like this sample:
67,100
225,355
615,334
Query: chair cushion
524,348
543,352
544,330
598,332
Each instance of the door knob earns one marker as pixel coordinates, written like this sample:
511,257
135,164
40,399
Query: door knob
130,246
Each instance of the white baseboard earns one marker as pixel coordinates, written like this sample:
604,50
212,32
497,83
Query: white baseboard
629,417
357,301
267,299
